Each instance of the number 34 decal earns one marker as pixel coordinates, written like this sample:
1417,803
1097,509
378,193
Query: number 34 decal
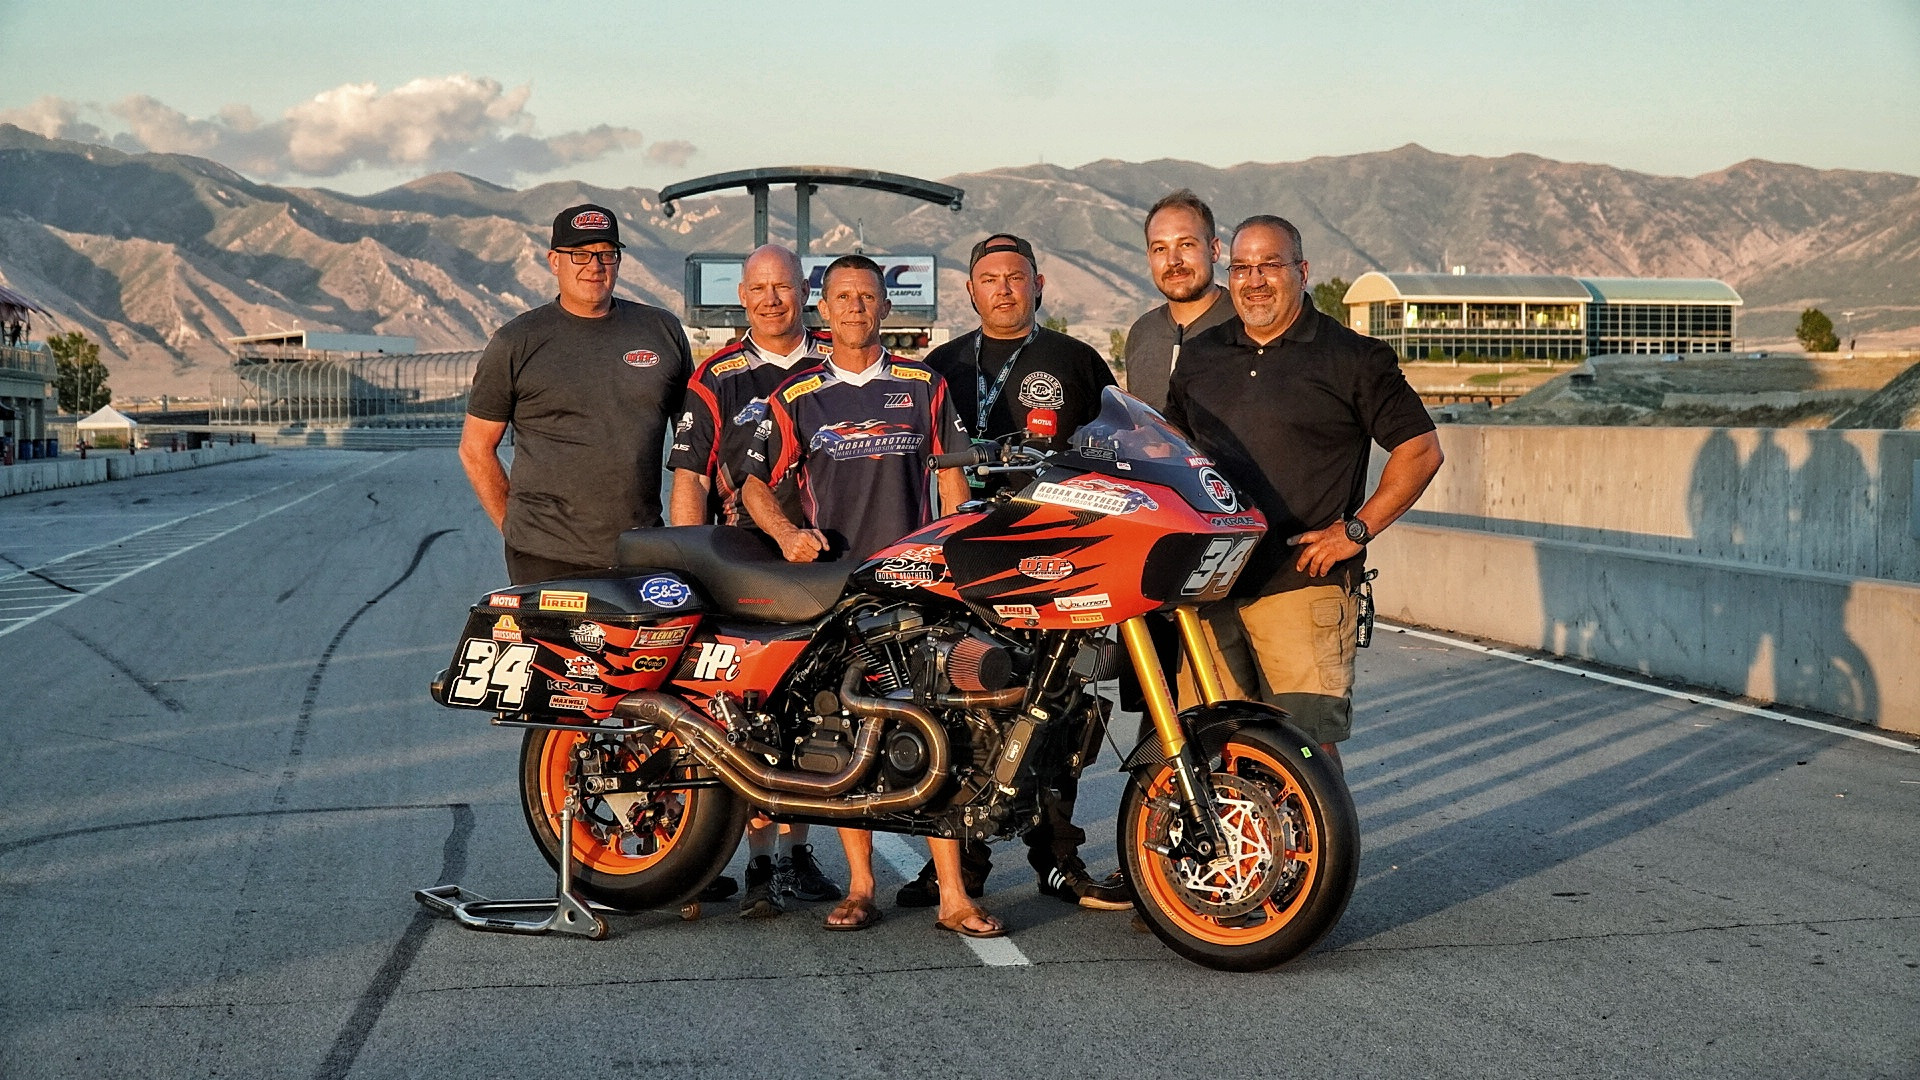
485,667
1219,564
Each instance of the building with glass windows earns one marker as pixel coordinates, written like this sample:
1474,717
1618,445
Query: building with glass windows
1541,316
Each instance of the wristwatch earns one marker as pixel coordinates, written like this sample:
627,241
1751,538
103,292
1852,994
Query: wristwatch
1358,532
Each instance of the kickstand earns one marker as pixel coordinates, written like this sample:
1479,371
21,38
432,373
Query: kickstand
566,912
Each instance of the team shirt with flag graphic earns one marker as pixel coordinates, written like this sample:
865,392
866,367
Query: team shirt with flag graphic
856,447
726,406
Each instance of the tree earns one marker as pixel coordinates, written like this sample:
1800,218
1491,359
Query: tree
80,379
1056,323
1117,347
1816,332
1329,295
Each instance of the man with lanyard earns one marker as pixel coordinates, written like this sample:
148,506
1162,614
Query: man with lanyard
1009,376
856,435
1288,402
726,404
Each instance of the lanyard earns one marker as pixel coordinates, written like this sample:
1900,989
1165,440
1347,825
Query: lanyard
987,398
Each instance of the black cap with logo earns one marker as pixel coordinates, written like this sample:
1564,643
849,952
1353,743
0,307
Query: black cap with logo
578,226
1001,242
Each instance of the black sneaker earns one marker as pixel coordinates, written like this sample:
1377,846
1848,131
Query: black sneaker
799,876
1071,883
760,901
718,889
924,891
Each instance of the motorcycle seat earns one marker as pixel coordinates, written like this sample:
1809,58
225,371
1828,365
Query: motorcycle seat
744,575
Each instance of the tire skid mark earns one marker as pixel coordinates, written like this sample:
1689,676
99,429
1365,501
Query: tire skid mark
386,980
152,689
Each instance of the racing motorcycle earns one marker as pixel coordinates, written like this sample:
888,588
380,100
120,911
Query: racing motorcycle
939,688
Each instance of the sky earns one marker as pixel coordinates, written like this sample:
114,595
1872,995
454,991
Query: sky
359,95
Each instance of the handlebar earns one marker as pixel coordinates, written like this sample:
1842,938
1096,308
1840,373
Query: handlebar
989,453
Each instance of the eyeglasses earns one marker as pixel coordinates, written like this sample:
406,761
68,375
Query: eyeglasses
582,258
1266,269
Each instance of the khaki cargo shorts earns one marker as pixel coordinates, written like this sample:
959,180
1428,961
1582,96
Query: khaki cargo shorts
1293,650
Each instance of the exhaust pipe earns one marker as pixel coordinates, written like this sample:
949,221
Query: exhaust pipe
785,791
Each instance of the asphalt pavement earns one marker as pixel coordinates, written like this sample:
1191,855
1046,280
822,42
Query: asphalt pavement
221,779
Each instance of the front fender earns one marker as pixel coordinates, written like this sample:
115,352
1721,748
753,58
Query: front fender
1209,726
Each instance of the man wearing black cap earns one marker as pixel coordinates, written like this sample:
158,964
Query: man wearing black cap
1010,376
590,385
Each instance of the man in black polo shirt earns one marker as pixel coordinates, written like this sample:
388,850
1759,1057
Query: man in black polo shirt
1182,246
1013,375
1288,402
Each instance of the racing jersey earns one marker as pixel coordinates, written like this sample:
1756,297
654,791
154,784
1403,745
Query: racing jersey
726,404
856,448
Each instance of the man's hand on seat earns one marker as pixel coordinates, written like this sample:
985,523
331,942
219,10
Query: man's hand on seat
803,545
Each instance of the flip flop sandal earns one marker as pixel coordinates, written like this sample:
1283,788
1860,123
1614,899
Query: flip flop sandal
868,911
958,925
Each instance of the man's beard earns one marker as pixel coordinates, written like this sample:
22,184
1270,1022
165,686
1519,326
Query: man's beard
1185,290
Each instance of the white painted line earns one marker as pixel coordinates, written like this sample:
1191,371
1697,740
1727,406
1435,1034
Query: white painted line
1679,695
75,598
993,952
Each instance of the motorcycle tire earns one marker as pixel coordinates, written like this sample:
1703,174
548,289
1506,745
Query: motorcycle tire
1293,853
690,833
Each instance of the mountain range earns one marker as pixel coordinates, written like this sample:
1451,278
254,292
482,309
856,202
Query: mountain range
160,257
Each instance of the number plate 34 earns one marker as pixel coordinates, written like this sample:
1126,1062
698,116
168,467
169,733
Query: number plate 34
488,670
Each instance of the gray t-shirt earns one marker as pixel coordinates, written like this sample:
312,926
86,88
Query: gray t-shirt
1149,349
590,401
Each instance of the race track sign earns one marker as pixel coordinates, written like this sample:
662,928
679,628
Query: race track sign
713,281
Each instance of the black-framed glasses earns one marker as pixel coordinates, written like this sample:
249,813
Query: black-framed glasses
582,258
1267,269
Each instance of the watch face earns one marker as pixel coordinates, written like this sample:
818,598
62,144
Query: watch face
1357,531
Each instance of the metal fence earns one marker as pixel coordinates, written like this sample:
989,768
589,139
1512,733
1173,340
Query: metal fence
27,361
297,386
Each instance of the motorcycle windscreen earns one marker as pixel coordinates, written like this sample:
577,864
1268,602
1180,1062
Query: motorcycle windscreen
1129,441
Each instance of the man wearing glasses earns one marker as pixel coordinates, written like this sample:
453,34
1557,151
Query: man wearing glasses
1288,403
590,385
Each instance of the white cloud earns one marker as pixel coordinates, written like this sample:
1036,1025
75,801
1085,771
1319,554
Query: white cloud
462,122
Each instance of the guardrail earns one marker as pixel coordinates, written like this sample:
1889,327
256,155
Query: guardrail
39,362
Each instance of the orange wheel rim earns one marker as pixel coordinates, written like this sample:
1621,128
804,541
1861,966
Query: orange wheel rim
591,848
1301,858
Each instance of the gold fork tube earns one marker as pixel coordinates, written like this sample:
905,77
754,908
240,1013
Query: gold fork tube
1199,657
1153,684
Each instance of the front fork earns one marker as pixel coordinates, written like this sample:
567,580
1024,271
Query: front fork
1189,772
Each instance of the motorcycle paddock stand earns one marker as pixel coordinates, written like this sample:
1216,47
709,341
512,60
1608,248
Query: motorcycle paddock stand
566,912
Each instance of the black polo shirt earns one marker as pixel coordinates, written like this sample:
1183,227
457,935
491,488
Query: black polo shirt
1291,423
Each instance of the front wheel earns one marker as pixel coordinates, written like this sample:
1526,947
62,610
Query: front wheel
1291,857
632,850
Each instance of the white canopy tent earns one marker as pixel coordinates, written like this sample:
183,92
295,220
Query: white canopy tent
108,427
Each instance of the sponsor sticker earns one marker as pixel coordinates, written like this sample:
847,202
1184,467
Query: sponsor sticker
728,367
899,401
589,636
592,219
656,637
1089,602
1045,568
1219,490
717,660
564,686
501,599
506,628
1199,462
918,374
642,358
1236,521
1097,495
664,592
1016,611
565,701
684,424
754,412
579,667
649,663
1087,618
1041,391
562,601
905,573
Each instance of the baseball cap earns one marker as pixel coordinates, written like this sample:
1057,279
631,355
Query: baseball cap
999,242
585,224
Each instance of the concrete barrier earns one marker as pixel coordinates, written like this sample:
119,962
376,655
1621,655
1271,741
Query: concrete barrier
104,465
1779,564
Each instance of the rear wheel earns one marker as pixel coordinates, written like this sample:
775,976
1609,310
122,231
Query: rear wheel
631,850
1291,855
